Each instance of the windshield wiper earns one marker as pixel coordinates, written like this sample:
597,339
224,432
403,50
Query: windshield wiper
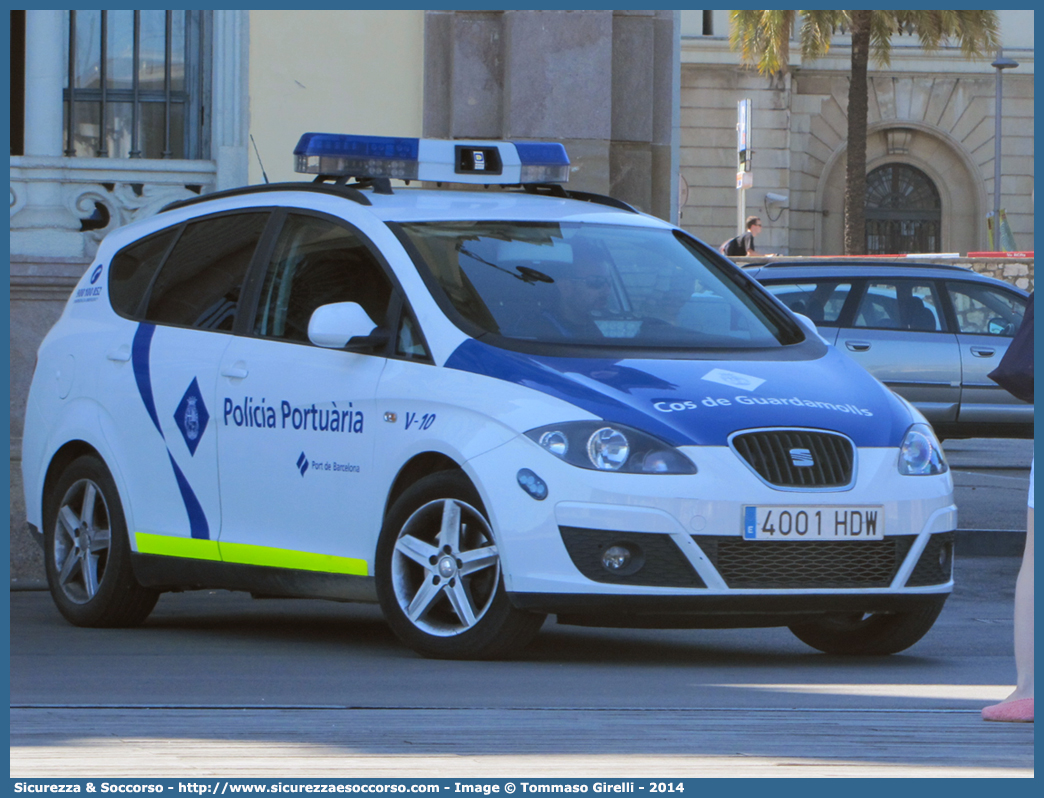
526,275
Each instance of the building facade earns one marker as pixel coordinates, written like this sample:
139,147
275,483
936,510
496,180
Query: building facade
930,144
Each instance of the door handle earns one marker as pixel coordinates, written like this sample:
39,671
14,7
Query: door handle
119,355
983,351
236,371
858,346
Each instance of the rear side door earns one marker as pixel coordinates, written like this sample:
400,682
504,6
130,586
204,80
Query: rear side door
986,318
163,367
898,333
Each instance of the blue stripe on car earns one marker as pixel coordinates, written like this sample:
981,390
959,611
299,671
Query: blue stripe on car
198,526
140,359
671,400
140,351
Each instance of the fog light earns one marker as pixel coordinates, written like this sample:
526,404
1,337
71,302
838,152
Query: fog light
532,484
616,558
946,557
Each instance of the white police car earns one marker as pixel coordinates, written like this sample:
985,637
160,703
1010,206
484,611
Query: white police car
475,407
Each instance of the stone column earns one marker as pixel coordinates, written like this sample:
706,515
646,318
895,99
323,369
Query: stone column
231,92
44,225
604,83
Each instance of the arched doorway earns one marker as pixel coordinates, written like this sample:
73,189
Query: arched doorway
903,211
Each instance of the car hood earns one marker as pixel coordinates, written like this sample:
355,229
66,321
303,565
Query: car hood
702,402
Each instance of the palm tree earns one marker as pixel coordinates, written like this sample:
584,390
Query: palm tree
763,39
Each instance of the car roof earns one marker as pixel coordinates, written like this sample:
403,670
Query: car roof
784,271
411,204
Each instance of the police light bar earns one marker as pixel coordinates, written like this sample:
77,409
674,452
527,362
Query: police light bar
436,160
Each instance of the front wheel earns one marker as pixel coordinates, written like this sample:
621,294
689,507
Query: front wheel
873,634
439,575
87,550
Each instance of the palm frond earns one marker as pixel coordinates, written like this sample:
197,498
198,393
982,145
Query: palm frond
762,38
817,31
977,33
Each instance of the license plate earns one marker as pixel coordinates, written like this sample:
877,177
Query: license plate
813,523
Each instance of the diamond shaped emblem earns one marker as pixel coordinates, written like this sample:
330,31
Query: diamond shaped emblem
192,416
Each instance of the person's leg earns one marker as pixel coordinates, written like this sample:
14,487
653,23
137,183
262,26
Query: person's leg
1024,619
1019,705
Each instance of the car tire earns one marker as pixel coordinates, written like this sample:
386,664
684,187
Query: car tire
869,634
87,551
439,577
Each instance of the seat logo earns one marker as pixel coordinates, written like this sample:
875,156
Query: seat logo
802,458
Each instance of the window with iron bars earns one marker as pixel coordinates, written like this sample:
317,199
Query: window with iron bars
137,84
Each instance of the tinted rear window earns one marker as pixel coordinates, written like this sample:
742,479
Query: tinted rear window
132,271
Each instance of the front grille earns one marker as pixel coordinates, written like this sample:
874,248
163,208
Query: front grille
805,564
662,562
797,458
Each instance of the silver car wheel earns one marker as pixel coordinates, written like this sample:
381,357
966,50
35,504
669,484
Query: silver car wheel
82,535
445,568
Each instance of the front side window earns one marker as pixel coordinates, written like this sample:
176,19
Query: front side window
594,285
200,283
984,310
318,262
900,305
136,84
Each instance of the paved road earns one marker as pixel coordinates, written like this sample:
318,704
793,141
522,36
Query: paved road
991,479
219,685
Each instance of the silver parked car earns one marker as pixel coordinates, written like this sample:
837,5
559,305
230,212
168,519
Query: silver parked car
930,332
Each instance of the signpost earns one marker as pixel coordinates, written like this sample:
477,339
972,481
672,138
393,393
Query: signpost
744,153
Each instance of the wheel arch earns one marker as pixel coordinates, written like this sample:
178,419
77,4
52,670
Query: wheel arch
62,459
415,469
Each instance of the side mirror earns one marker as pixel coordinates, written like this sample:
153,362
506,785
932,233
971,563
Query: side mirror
344,325
810,326
999,327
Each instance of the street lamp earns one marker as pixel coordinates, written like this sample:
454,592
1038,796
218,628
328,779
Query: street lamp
1000,65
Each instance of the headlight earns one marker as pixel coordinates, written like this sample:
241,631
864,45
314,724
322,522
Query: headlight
611,447
921,453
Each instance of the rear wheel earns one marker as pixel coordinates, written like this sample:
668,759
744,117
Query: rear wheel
439,575
87,551
869,633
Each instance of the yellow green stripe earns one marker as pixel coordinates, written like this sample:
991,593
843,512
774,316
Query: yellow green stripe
247,554
170,546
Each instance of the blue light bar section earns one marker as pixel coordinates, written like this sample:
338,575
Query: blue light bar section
345,146
434,160
542,153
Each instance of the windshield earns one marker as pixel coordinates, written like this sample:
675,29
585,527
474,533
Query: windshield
595,284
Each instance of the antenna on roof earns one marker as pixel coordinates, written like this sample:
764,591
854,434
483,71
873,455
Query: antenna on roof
258,158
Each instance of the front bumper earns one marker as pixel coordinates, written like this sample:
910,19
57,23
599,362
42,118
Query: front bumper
713,611
689,529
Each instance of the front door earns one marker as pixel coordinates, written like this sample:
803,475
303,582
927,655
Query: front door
987,318
296,422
